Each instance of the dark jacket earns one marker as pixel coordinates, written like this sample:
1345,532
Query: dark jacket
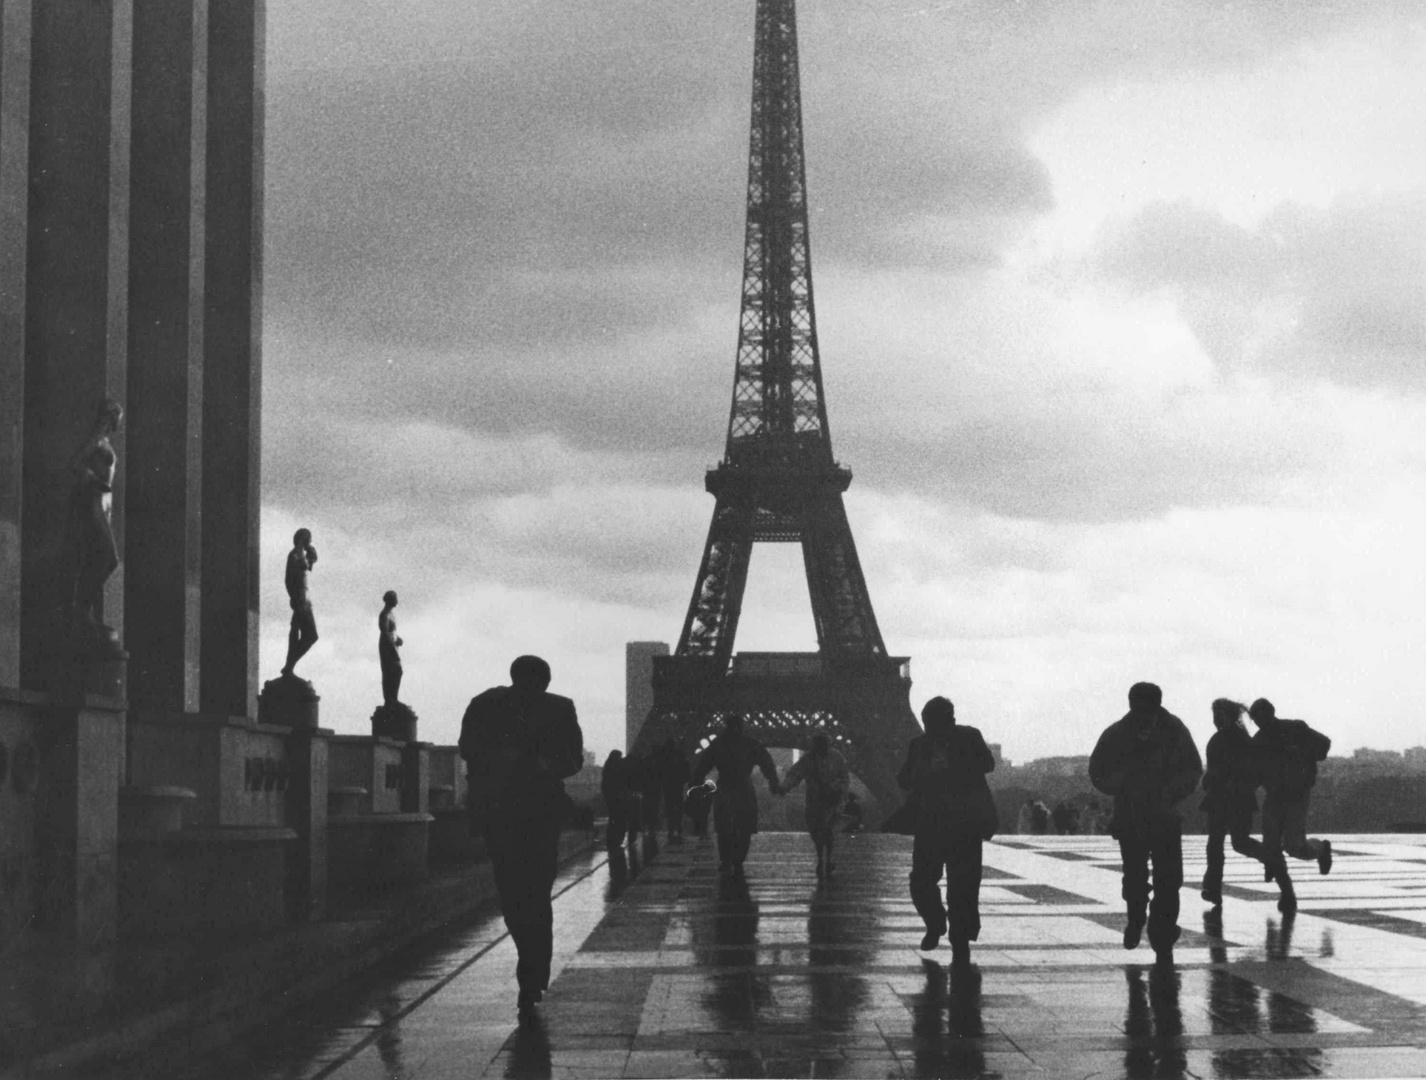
1290,752
946,776
1148,770
1233,774
520,748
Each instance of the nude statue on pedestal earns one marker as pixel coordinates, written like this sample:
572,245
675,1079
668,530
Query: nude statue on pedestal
387,643
303,634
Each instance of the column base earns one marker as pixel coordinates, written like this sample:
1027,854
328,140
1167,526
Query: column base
288,700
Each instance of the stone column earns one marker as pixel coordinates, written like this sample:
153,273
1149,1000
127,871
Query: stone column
232,403
77,829
167,174
14,212
307,785
76,328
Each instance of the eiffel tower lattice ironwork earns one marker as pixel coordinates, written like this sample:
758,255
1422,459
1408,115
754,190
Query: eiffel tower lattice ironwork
778,482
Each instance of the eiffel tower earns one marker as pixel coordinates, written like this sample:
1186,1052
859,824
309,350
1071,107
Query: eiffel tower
779,483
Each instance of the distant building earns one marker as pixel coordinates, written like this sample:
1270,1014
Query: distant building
1000,762
1364,755
1415,756
638,685
1077,765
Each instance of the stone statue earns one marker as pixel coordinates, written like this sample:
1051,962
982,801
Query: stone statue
91,553
387,642
303,634
393,719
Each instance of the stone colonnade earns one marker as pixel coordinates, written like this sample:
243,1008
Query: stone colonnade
130,266
131,158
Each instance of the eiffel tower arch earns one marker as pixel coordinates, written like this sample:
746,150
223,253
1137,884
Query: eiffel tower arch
779,483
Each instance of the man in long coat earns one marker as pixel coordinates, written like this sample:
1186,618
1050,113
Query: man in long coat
521,743
735,805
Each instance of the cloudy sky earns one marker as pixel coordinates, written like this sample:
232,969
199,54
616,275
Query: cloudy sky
1122,328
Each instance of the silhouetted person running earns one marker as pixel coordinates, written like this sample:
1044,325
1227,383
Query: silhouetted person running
1291,751
1148,762
613,786
828,781
521,743
735,803
1230,797
945,772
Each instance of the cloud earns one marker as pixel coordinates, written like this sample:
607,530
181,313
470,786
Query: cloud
1334,294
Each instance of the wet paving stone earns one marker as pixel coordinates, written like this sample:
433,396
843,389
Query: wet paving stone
665,969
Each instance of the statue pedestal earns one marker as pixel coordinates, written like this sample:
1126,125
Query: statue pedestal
89,661
288,700
98,674
396,721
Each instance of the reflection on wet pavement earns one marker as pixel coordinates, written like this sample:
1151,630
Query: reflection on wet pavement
665,968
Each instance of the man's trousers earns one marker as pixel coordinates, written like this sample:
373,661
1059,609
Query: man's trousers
524,854
1161,844
1285,828
1225,823
958,854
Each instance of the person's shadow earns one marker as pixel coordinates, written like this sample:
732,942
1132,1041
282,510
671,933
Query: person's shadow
837,938
947,1022
725,943
529,1050
1153,1023
618,874
1237,1006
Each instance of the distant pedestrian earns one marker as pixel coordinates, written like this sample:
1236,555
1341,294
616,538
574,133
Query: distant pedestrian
945,773
674,772
521,742
828,781
1291,750
613,787
1229,793
852,814
634,769
1148,762
735,804
652,784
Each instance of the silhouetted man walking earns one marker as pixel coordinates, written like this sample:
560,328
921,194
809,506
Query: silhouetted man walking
945,771
1290,753
521,743
1148,762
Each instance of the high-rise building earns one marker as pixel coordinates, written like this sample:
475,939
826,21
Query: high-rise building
639,685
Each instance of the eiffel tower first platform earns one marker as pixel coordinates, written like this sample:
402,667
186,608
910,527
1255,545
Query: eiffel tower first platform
779,483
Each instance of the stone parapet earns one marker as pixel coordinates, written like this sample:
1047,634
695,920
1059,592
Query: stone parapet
377,850
204,881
